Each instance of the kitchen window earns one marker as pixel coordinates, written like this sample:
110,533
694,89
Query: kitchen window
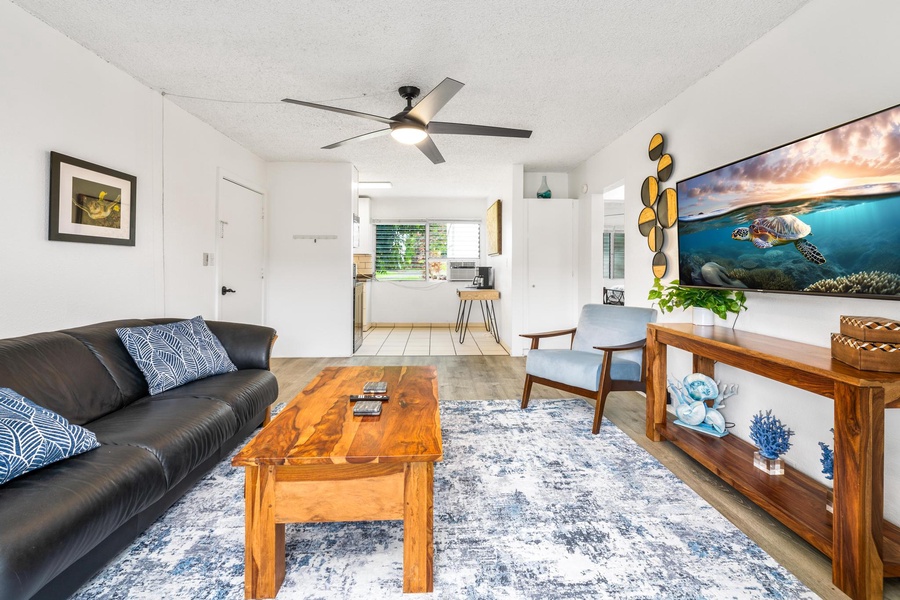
421,251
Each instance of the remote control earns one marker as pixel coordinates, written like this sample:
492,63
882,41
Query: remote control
364,397
375,387
366,408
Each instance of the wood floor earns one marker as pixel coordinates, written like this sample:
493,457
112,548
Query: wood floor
502,377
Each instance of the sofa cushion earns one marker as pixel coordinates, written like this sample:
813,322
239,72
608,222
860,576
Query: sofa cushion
173,354
32,437
247,392
58,372
579,369
181,431
55,515
104,343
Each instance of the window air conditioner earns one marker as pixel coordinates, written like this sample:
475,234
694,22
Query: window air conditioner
461,270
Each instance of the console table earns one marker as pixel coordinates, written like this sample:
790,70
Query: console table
862,546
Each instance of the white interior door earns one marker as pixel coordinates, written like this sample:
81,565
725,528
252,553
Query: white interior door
550,268
241,251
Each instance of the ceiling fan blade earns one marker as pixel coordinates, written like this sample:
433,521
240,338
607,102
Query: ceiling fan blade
428,106
343,111
466,129
430,150
357,138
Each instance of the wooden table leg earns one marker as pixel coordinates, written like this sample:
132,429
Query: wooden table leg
264,539
704,365
656,385
418,528
857,565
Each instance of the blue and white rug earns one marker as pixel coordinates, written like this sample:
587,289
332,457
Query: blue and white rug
527,504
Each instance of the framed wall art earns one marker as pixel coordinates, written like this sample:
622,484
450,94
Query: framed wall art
494,228
90,203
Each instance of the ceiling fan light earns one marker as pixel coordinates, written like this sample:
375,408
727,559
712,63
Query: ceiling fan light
408,134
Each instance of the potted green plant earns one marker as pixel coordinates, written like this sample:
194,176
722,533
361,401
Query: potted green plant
716,301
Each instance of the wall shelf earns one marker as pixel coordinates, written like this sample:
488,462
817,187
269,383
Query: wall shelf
862,546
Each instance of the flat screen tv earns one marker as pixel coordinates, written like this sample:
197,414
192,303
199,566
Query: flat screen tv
820,215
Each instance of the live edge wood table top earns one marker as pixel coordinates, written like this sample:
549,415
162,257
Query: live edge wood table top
862,546
316,462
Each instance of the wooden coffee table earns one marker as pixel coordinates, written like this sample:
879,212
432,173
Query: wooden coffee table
316,462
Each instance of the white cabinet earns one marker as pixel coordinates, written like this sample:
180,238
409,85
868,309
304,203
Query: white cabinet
366,229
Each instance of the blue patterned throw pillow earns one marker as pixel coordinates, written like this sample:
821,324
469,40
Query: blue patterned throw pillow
175,353
32,437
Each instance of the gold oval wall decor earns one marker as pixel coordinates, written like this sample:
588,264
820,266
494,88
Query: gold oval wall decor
667,208
656,146
649,191
660,265
656,238
664,167
646,221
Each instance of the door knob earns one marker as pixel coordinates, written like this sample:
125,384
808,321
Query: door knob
225,290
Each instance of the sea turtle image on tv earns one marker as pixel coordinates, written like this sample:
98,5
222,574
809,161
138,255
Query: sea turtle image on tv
768,232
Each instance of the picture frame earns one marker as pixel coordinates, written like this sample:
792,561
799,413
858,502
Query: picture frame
91,203
494,229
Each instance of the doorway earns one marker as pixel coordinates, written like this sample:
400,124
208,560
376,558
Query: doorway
241,251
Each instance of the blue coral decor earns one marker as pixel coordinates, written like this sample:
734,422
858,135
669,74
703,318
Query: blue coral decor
827,460
770,435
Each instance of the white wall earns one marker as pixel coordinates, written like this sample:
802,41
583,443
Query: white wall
509,195
49,101
195,156
421,301
827,64
310,284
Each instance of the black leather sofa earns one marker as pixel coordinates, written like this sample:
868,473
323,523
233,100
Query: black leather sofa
61,524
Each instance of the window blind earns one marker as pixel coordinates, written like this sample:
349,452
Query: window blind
614,255
401,248
400,251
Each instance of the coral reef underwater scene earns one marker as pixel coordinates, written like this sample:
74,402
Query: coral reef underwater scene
818,215
856,236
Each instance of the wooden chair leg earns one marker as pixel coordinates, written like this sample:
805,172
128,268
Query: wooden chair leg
603,392
598,410
526,393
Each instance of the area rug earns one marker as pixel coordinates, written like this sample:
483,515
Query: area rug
527,504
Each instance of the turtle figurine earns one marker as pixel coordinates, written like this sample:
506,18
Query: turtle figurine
775,231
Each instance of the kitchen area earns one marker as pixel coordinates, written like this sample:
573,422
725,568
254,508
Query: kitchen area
415,317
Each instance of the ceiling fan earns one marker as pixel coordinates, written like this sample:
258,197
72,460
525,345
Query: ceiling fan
414,125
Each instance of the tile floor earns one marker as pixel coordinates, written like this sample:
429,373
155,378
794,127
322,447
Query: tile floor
437,340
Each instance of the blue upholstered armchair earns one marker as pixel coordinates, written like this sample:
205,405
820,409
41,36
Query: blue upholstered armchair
607,354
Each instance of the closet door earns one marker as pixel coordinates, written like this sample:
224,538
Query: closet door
551,265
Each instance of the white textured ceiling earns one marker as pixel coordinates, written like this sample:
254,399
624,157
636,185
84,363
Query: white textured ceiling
578,73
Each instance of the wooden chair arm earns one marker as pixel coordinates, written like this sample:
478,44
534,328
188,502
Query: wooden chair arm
630,346
537,337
